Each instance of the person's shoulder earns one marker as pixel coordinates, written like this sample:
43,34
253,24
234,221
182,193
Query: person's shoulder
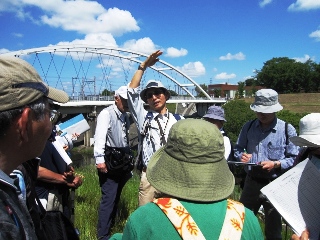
176,116
107,110
282,124
149,209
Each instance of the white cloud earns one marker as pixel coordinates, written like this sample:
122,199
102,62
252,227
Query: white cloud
264,3
302,5
18,35
224,75
3,50
238,56
215,69
193,69
316,35
303,59
173,52
143,45
104,39
81,16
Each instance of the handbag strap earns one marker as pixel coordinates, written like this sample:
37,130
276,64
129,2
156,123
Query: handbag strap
162,134
180,218
187,227
233,221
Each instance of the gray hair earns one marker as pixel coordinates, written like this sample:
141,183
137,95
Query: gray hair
7,117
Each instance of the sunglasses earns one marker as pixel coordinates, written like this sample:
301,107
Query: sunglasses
155,92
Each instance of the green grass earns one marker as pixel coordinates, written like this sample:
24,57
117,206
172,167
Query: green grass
88,198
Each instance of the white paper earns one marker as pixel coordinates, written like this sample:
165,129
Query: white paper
296,196
78,125
62,152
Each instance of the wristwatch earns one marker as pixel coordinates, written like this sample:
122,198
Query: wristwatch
276,164
141,68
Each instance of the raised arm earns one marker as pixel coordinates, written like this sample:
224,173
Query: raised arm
150,61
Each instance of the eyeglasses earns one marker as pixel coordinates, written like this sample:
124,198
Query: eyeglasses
54,115
155,92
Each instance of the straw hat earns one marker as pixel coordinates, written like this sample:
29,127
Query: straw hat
191,165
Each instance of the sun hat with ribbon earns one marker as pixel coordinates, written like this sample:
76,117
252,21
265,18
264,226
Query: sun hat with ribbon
191,165
20,84
154,84
309,131
266,101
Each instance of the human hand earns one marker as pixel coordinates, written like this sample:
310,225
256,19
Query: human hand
304,236
151,60
245,157
75,136
102,167
69,176
267,165
77,182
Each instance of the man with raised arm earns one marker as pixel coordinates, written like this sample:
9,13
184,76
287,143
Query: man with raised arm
153,125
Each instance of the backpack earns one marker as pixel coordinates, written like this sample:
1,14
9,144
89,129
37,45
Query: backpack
146,126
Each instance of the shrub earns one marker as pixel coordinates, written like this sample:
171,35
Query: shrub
237,113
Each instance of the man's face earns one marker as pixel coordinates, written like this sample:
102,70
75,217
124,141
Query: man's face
218,123
122,104
41,130
156,99
265,118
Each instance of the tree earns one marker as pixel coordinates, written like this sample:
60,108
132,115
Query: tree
106,92
172,93
250,82
216,92
287,75
241,89
200,93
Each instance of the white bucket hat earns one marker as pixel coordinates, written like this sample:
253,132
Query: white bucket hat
266,101
154,84
309,128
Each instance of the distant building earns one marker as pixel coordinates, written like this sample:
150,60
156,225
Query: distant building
229,90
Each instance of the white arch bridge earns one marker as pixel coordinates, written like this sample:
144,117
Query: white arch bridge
90,74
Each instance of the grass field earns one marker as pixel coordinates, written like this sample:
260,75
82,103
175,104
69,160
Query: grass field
298,102
88,195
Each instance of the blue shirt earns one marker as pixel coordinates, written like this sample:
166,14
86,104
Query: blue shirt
112,129
267,144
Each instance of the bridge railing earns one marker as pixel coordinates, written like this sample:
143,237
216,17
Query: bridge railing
111,98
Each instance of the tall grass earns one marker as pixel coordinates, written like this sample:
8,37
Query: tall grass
88,198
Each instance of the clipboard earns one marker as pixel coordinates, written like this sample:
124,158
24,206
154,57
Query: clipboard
243,163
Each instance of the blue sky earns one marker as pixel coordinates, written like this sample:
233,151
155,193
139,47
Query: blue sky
211,41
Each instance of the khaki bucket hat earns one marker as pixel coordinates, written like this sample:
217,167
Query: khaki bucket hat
191,165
